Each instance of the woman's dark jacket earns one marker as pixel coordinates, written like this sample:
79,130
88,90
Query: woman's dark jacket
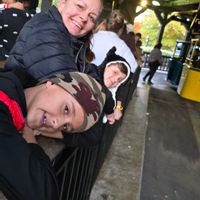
25,170
45,46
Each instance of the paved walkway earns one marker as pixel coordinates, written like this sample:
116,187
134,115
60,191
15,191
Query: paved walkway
171,167
121,175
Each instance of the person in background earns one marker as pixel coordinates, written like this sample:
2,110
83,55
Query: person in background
60,36
138,50
135,47
12,20
138,36
139,53
110,38
155,60
25,170
129,39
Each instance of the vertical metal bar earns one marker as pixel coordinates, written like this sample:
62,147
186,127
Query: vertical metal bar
91,172
87,167
67,185
83,173
78,164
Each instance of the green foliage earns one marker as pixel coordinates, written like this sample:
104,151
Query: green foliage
55,2
150,28
173,31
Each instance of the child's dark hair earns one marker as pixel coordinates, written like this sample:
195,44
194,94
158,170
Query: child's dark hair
123,68
139,35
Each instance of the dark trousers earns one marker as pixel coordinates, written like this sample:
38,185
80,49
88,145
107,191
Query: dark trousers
153,66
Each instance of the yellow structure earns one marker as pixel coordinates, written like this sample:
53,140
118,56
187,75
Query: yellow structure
189,85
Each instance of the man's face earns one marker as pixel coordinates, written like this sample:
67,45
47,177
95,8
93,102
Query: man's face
79,16
52,110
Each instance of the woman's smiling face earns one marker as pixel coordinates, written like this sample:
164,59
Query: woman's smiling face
52,109
79,16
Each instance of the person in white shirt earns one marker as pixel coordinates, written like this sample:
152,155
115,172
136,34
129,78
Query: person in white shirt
155,60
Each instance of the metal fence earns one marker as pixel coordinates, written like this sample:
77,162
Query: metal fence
77,168
74,170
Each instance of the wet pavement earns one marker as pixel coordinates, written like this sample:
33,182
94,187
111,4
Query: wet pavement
155,154
171,163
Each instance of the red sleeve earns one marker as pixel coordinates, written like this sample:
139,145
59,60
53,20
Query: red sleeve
25,170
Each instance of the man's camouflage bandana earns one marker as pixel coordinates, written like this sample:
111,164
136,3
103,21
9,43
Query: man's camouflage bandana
87,91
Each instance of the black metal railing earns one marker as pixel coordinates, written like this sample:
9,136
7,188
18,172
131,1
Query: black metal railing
75,170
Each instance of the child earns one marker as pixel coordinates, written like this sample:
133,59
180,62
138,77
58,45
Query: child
114,71
61,104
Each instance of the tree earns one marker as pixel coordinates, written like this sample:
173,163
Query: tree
173,31
150,27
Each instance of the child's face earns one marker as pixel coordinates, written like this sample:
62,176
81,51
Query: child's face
52,110
113,76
